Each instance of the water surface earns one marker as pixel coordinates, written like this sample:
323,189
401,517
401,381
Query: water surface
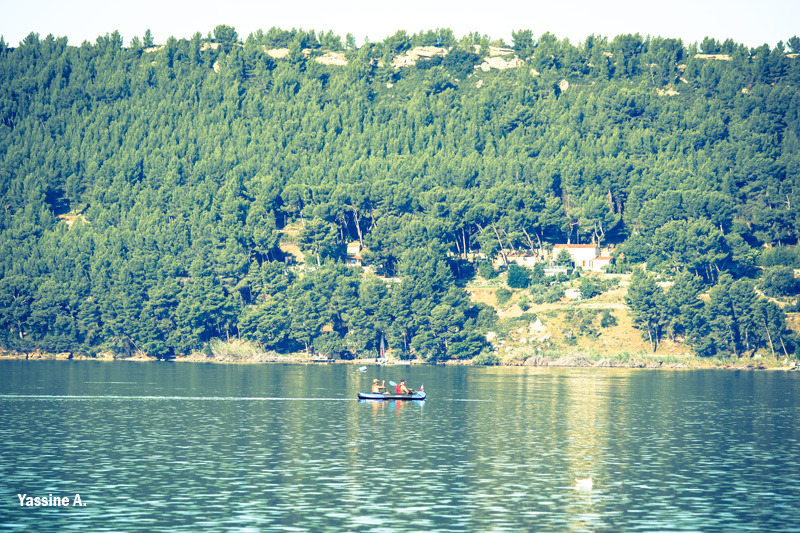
197,447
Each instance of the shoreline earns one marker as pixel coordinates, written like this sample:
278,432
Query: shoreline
566,361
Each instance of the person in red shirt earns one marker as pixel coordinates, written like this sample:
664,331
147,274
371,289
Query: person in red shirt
402,389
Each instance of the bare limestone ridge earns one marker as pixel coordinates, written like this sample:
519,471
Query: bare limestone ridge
494,50
498,58
718,57
332,58
669,91
277,53
411,57
499,63
726,57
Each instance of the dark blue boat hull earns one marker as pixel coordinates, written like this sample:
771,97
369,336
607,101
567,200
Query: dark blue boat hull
379,396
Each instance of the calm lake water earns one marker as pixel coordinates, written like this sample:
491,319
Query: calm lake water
198,447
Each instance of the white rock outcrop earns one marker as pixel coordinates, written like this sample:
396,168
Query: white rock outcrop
277,53
332,58
411,57
499,63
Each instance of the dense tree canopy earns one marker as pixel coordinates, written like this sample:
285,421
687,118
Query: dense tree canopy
181,167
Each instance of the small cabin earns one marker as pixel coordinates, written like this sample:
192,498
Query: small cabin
598,263
353,257
525,259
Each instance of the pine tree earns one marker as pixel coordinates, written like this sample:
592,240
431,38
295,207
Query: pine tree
647,303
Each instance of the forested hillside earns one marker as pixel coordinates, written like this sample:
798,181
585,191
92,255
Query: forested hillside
146,189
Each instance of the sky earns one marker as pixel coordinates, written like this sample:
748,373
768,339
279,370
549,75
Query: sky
749,22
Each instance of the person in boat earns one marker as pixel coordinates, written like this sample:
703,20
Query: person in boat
402,389
377,389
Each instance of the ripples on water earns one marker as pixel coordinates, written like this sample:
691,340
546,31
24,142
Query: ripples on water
287,448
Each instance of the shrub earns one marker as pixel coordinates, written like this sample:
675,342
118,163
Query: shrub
233,349
607,320
486,270
486,358
587,326
537,274
589,288
538,294
503,295
207,351
554,293
519,277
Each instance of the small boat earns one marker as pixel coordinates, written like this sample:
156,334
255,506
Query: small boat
378,396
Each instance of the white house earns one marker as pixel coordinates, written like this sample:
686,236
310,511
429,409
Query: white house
582,254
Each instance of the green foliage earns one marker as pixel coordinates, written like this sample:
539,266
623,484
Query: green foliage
684,308
181,169
226,35
788,256
582,323
503,295
635,250
740,322
523,42
486,270
607,319
554,293
563,258
519,277
589,288
696,245
647,307
460,63
486,359
780,281
319,238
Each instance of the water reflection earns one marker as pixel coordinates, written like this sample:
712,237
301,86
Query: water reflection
269,448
